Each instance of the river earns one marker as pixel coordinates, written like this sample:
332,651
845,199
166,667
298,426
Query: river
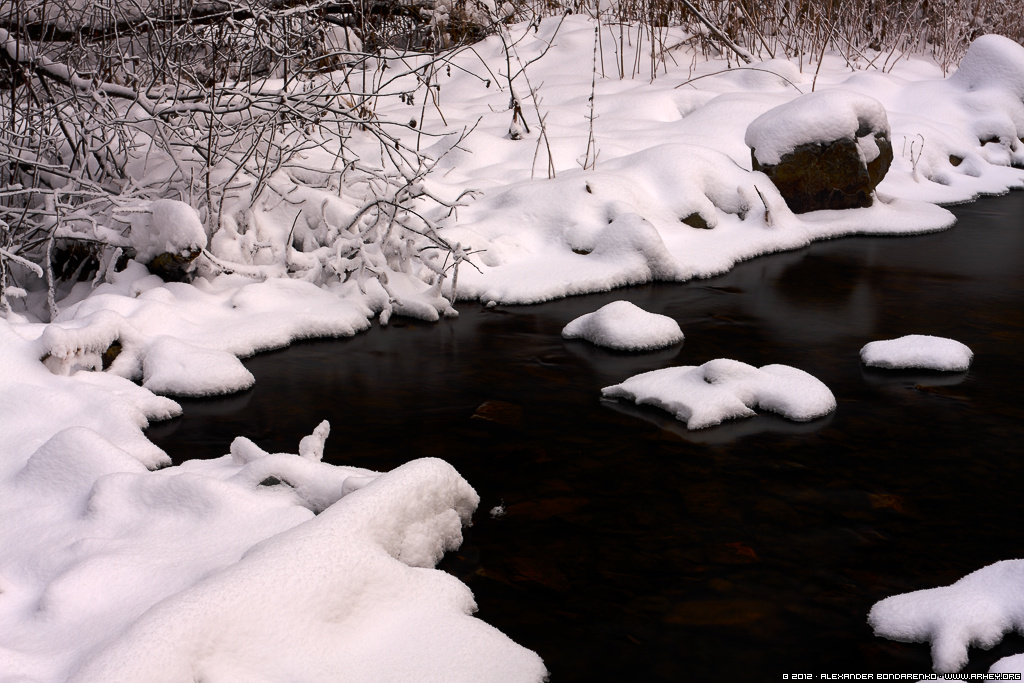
632,549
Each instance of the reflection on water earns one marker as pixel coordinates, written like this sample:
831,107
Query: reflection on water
632,549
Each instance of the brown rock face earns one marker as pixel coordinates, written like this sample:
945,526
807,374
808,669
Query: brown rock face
173,267
828,176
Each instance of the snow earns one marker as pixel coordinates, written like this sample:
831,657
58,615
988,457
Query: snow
625,326
185,339
175,367
723,389
817,117
250,567
975,611
347,594
918,351
172,227
271,567
992,62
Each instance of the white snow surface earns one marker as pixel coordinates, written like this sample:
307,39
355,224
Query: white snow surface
976,611
251,567
992,62
816,117
175,367
918,351
110,570
625,326
723,389
172,227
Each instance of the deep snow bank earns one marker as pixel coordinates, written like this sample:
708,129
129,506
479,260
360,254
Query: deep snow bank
674,162
254,567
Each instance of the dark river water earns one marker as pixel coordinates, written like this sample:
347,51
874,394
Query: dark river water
631,549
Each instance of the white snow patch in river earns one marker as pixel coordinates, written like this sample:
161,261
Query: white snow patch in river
978,610
706,395
625,326
918,351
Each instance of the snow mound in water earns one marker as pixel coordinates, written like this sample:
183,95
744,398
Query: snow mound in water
722,389
976,610
625,326
918,351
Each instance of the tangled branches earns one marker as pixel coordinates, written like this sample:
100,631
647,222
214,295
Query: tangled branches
228,107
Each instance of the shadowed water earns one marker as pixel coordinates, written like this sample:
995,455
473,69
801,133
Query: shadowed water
632,549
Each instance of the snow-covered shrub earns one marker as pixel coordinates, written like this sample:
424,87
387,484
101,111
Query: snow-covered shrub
176,134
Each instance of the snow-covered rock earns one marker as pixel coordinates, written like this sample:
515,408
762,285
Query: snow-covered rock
173,227
625,326
919,351
815,118
1014,664
824,150
704,396
992,61
975,611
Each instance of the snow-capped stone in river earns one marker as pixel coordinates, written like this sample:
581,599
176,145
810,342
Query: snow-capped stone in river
824,150
919,351
722,389
625,326
976,610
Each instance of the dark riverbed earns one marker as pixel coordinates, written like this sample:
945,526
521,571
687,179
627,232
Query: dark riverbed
631,549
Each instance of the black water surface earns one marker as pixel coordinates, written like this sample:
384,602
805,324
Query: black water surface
631,549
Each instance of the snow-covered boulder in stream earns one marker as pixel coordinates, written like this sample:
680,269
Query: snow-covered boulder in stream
917,351
824,150
723,389
976,610
624,326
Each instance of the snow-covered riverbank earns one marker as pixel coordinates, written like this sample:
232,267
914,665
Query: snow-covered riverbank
215,570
